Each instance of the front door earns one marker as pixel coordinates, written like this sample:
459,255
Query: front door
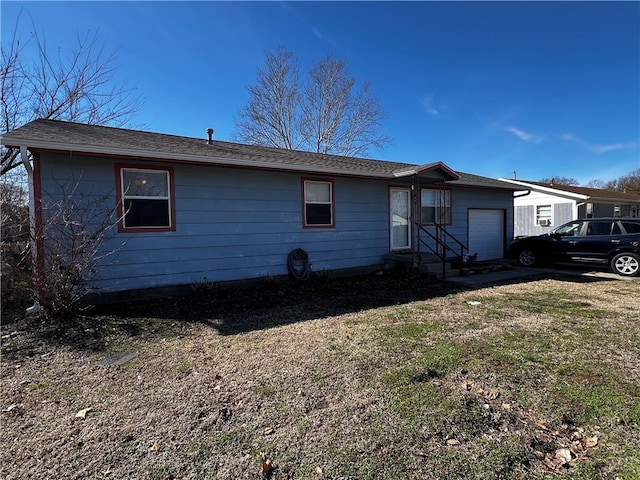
400,218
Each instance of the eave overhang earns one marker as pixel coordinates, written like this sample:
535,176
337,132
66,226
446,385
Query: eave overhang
420,170
154,155
548,190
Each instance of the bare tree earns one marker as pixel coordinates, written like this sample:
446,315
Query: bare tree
326,114
76,86
569,181
14,236
596,184
629,183
270,115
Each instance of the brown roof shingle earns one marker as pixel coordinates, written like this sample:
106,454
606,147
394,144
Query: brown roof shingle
590,192
79,137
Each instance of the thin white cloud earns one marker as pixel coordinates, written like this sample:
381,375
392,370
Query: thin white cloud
427,103
598,148
524,136
568,137
614,146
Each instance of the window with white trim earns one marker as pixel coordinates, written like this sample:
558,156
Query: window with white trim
145,196
435,206
318,203
543,215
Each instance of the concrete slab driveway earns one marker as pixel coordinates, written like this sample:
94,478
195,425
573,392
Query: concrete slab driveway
518,272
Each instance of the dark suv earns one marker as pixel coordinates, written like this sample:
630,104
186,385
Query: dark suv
612,241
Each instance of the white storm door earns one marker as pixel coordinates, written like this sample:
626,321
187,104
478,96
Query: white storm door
400,218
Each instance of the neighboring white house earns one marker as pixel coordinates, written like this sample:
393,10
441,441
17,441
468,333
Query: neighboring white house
539,207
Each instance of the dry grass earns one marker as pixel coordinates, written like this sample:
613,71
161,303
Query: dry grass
378,377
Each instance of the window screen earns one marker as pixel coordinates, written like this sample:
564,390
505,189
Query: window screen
318,203
146,198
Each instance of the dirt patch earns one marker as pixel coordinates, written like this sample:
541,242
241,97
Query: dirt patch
392,376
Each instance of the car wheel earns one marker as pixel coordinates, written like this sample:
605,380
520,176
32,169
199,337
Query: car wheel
527,257
627,264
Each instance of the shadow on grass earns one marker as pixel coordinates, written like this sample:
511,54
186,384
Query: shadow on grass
266,304
272,303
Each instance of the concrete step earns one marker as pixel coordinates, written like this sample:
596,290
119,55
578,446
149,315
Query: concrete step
426,263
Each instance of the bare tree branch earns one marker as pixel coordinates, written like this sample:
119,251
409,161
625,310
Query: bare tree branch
324,115
270,115
76,226
569,181
77,86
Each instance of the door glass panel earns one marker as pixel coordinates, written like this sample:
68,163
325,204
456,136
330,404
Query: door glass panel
400,225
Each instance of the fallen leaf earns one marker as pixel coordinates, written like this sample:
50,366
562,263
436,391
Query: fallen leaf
563,455
155,447
83,413
267,468
493,394
452,442
550,462
590,442
576,435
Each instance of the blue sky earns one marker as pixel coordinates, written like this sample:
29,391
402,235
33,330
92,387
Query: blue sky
542,88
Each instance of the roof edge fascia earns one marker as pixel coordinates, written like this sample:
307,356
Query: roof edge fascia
549,190
199,159
429,167
615,201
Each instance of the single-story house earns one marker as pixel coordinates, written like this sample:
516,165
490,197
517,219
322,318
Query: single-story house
190,209
539,207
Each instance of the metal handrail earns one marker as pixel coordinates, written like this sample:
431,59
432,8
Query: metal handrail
442,243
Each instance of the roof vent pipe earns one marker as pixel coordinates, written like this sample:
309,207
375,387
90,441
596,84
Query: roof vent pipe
209,135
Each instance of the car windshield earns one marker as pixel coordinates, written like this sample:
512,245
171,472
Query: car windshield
568,229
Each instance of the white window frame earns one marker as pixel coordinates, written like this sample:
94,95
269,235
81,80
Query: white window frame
306,201
445,197
124,196
539,217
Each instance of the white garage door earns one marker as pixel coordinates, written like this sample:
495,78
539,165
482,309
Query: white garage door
486,233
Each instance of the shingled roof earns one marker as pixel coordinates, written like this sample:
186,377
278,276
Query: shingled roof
590,192
58,135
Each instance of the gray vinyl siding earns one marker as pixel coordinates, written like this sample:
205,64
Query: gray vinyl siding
562,213
231,224
525,218
606,210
